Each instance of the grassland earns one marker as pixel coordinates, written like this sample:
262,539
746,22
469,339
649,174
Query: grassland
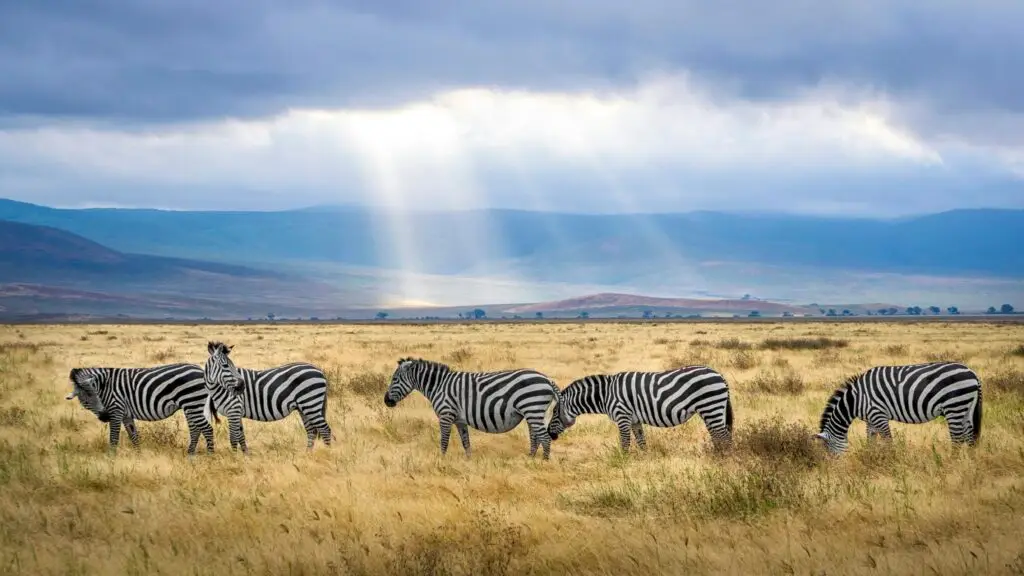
382,500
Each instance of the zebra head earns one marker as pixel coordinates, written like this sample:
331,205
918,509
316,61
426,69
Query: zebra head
403,381
85,384
833,430
567,408
220,370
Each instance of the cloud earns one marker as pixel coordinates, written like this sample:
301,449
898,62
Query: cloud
667,144
864,107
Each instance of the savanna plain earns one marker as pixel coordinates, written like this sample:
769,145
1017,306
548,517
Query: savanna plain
382,500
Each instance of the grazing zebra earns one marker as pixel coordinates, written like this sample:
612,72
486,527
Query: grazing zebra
123,395
493,402
265,395
911,394
662,399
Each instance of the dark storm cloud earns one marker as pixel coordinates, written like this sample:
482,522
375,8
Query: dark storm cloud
163,60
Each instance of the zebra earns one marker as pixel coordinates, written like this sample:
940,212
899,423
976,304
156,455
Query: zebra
912,394
663,399
123,395
493,402
265,395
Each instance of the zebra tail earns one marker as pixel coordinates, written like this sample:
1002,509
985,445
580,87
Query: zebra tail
976,418
210,411
728,413
558,409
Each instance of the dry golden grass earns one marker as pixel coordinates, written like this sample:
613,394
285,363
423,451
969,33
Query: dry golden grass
382,500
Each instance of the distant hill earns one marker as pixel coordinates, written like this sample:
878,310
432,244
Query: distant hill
43,269
966,258
976,242
609,302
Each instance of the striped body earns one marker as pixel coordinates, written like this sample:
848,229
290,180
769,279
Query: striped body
662,399
124,395
912,394
266,395
494,402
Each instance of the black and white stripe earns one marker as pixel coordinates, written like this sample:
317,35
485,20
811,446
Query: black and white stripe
912,394
123,395
662,399
493,402
265,395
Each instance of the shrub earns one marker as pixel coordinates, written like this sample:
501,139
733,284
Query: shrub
777,441
744,360
733,344
1008,380
789,383
809,343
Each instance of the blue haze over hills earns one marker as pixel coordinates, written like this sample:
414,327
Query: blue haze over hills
968,258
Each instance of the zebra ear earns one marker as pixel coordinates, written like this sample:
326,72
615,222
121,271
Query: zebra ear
210,347
228,349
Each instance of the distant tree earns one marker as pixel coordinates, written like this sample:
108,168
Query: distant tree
382,315
271,316
517,317
584,314
1006,309
831,312
745,297
648,314
935,310
893,310
314,318
539,315
914,310
992,310
787,314
953,310
846,312
822,310
479,313
754,314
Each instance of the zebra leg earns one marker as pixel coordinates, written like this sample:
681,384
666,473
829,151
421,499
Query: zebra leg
316,425
133,433
446,433
197,424
326,435
961,429
310,433
207,431
878,425
464,435
625,427
539,436
237,434
115,433
638,431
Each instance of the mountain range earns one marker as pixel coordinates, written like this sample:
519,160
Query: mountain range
334,261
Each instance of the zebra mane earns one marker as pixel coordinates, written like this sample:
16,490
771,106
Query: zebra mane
833,401
214,347
591,378
427,363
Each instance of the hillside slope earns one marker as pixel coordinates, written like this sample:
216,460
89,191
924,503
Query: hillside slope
548,246
43,269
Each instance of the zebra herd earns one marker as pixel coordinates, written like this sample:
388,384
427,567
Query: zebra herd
497,402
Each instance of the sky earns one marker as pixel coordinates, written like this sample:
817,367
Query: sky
859,107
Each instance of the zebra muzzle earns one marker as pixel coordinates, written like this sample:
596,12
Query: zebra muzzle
389,402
